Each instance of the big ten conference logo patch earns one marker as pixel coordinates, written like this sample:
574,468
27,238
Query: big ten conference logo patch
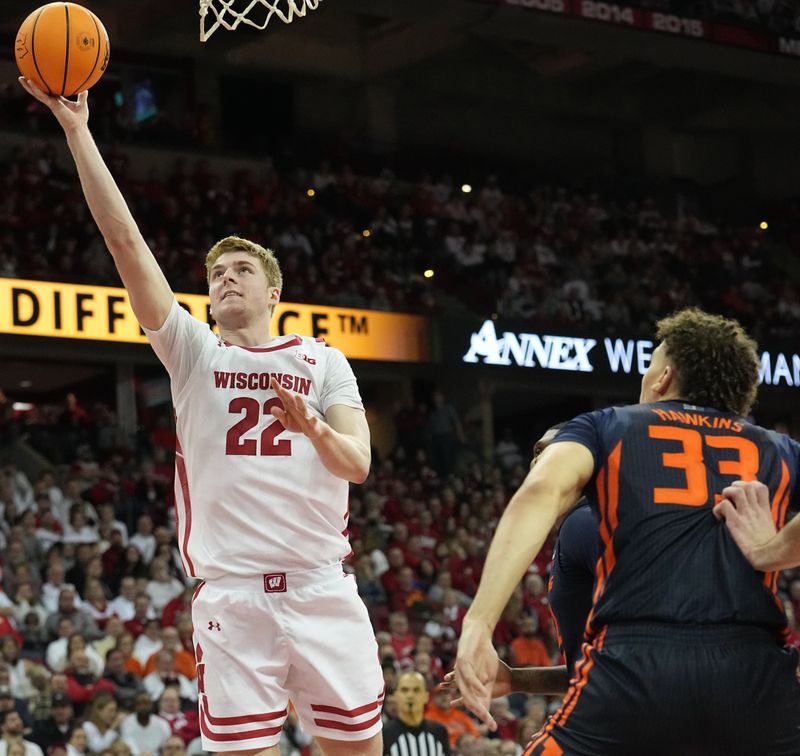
275,582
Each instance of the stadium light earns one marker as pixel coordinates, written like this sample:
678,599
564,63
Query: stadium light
366,233
428,273
311,193
466,188
763,225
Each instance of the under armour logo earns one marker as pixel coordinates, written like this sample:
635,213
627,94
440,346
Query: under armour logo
275,582
213,625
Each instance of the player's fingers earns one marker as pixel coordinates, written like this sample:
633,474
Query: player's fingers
450,677
736,495
279,415
725,510
83,97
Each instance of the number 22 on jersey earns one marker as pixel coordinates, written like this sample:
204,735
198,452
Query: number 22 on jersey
691,460
270,445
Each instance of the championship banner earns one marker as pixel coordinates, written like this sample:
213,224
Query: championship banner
628,14
100,313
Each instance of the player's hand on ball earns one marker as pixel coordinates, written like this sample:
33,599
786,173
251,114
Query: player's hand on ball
294,416
70,113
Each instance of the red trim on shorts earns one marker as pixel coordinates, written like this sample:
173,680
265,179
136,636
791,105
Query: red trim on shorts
333,725
180,468
357,712
246,719
296,341
224,737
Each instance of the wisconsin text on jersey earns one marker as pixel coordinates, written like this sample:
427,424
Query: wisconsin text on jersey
227,380
702,421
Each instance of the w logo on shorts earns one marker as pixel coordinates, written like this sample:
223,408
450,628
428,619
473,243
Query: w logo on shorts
275,582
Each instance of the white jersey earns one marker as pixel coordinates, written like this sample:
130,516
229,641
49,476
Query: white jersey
250,497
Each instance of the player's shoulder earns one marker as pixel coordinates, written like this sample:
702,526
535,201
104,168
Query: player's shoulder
320,348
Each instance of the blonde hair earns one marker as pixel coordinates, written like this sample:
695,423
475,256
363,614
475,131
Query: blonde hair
236,244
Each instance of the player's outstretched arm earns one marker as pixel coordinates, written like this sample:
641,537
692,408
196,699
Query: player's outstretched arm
341,440
746,509
551,488
538,681
151,297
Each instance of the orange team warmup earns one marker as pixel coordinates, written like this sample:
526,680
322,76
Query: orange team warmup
684,651
263,466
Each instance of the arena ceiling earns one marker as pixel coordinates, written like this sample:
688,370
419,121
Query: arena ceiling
374,38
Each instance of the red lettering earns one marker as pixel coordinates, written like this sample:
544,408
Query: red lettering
221,379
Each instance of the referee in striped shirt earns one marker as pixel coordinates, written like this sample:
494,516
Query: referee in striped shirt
411,734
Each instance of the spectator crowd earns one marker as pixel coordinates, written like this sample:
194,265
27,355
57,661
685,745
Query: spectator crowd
546,255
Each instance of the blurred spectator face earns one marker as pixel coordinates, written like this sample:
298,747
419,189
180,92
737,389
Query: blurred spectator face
534,584
75,642
173,746
400,532
79,661
142,705
12,727
114,627
165,664
398,624
114,661
120,748
66,601
396,558
406,579
141,604
163,535
25,593
58,683
108,713
444,580
449,599
62,712
78,740
65,628
152,629
127,588
159,571
422,663
144,525
125,644
170,638
442,699
170,702
425,644
95,593
9,650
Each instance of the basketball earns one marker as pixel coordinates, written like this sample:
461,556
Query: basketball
63,48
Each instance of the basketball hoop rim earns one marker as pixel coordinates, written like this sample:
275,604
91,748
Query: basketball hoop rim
294,9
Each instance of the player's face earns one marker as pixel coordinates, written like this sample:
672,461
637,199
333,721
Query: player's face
239,291
652,380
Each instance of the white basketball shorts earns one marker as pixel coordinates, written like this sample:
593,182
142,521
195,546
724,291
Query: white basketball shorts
268,639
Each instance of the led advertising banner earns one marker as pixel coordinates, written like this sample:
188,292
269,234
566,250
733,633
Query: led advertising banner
588,354
99,313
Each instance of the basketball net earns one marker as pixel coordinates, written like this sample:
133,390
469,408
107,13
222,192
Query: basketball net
216,13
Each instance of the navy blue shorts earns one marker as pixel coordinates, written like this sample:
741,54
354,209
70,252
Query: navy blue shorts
672,690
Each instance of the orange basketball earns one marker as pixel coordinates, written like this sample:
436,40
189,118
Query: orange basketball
63,48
